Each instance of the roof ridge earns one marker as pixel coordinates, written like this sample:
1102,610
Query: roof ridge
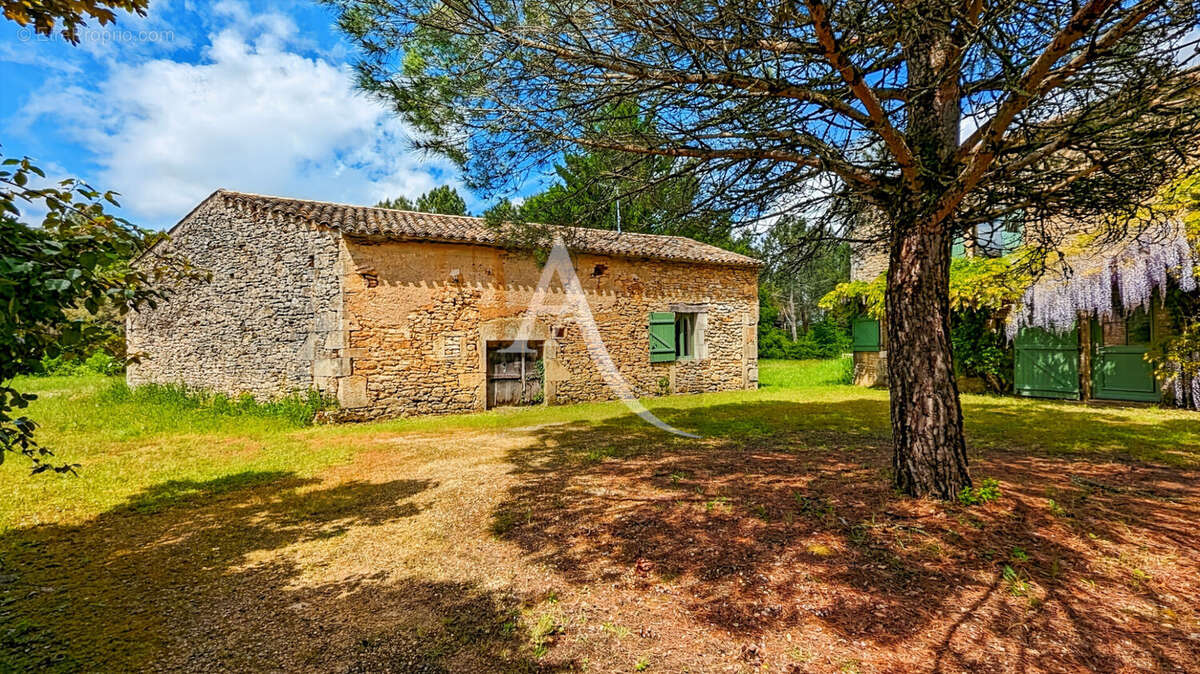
320,202
475,218
425,225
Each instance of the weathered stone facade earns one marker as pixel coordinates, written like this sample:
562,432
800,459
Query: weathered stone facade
259,324
398,327
870,367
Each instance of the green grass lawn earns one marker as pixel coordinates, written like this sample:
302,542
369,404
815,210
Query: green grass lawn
194,539
125,446
805,373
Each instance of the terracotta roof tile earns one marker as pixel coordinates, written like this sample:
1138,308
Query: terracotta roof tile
409,225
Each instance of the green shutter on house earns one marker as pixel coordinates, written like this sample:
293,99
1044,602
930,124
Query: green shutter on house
1046,364
1011,238
662,336
959,248
865,333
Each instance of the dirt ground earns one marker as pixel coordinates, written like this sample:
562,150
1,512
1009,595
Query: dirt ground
608,546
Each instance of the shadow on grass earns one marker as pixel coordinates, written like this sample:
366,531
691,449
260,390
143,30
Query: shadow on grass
782,516
170,581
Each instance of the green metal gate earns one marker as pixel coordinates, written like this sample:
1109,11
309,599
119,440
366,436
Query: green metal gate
1047,364
1119,367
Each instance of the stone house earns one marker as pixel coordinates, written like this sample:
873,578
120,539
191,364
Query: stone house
399,313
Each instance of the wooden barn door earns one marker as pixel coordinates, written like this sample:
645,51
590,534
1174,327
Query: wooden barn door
514,375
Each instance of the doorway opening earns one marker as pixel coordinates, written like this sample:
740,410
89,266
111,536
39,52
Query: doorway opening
516,374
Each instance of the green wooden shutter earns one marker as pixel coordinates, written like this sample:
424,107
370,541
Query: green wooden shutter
1120,371
1046,365
959,249
865,332
662,336
1011,239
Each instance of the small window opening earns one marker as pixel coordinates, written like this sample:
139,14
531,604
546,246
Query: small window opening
685,335
599,270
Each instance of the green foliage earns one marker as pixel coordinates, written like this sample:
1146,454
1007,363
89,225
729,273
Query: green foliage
1182,199
400,203
542,634
297,408
994,284
797,273
444,200
601,189
1018,586
71,15
823,340
981,349
53,278
1176,355
104,331
858,297
987,491
991,283
982,292
100,362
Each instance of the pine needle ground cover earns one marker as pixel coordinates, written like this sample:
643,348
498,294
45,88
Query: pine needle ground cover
578,538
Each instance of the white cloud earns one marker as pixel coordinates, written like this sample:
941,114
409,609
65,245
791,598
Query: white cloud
21,54
253,115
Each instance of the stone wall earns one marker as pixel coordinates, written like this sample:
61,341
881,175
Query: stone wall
262,320
402,327
867,261
870,368
419,316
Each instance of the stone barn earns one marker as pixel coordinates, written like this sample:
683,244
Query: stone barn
398,313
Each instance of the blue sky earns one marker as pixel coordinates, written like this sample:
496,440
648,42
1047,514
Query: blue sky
252,96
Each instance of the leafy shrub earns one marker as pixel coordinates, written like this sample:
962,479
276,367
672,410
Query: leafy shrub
987,491
1017,585
981,349
982,291
99,362
1175,356
542,634
298,408
823,340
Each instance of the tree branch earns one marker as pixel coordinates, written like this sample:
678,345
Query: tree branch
1030,85
879,122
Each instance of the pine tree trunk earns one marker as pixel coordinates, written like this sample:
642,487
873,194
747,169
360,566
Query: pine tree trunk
929,453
